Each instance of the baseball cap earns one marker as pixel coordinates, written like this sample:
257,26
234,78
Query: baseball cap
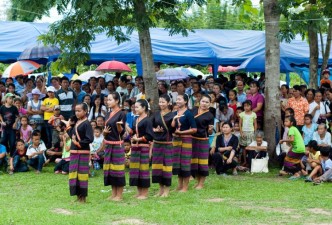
50,89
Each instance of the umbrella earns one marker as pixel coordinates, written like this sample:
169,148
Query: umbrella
256,63
91,73
171,74
113,66
39,51
224,69
23,67
190,71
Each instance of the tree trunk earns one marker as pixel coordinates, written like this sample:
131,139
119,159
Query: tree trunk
149,75
328,46
313,46
272,114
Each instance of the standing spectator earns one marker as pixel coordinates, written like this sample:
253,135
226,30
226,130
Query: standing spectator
55,81
78,91
299,105
41,84
257,101
48,107
34,107
67,99
8,114
241,95
122,89
20,86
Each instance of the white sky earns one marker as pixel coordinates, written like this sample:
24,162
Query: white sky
54,16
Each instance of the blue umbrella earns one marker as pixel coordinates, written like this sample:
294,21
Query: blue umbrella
256,63
39,51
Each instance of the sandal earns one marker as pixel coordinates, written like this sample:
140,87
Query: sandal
294,178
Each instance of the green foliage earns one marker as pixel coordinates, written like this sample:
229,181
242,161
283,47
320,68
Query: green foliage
244,199
222,15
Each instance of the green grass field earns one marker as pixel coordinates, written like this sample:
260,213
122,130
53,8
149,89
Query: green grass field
28,198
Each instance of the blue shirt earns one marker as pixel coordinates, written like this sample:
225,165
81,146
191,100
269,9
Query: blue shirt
130,117
241,97
80,97
2,149
308,133
19,88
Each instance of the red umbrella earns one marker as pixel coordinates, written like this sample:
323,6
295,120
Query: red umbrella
223,69
113,66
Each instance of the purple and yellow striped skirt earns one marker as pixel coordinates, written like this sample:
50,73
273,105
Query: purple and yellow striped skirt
162,163
79,174
200,157
182,151
292,162
114,165
139,171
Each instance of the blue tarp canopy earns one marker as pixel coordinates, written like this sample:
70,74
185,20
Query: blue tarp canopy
203,47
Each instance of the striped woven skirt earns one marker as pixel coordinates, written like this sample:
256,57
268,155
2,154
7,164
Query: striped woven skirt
200,158
162,163
139,171
182,149
114,166
79,174
292,162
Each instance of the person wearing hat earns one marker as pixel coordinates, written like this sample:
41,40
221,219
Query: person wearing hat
8,114
48,107
34,107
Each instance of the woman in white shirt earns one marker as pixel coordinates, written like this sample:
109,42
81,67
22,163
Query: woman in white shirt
322,137
97,109
322,111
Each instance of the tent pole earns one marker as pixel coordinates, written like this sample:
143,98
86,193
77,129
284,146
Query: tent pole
287,79
215,70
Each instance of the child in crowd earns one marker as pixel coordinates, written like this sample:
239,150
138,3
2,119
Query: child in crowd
3,158
54,121
127,149
18,162
35,152
25,131
93,124
33,124
62,165
308,129
248,126
326,166
237,114
96,149
21,110
100,120
313,161
236,128
257,149
285,146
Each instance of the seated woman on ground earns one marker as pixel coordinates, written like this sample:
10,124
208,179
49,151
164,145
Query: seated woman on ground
257,149
225,150
322,136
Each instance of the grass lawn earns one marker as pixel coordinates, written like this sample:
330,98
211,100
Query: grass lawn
28,198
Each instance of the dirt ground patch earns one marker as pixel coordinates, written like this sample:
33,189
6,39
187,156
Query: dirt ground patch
320,211
129,222
62,211
215,200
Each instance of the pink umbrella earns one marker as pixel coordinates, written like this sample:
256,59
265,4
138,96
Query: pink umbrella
224,69
113,66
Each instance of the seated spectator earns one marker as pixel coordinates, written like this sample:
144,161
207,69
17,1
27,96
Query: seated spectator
226,147
257,149
18,162
3,158
36,151
308,129
322,137
313,161
326,166
62,165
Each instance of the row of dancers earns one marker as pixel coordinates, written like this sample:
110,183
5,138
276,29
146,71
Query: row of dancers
178,142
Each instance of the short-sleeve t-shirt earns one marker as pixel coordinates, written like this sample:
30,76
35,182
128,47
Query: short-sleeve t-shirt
248,121
49,103
298,144
315,156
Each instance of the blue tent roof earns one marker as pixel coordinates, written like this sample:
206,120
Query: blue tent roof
216,47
